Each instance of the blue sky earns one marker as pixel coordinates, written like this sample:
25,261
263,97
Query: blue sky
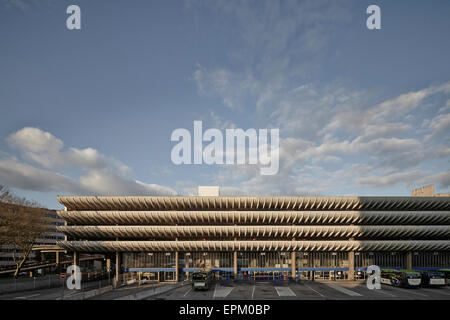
91,111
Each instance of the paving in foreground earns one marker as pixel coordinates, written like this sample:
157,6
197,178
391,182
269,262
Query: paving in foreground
306,290
39,294
55,293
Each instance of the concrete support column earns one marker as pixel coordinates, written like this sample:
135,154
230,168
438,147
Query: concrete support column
76,263
409,260
76,259
176,266
117,265
235,259
117,268
351,265
186,261
235,264
58,266
176,261
293,271
108,269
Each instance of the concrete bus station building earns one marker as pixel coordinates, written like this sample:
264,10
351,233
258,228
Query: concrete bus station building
166,238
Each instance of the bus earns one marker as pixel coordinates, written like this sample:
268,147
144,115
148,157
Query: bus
433,278
202,280
401,278
447,275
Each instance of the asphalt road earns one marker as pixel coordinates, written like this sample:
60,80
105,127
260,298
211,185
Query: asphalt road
39,294
48,293
125,291
306,290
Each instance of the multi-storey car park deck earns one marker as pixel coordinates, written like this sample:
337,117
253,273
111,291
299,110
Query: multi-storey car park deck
165,238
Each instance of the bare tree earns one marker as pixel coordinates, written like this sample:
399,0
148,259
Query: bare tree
5,194
5,216
22,222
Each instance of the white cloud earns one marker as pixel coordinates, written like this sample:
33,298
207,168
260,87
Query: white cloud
45,149
105,182
24,176
379,151
446,107
380,117
389,180
330,131
100,174
400,105
414,177
440,124
35,140
442,179
84,158
232,88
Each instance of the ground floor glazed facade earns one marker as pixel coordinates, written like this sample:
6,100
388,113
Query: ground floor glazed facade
173,266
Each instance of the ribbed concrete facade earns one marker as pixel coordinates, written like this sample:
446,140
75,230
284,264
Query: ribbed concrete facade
242,233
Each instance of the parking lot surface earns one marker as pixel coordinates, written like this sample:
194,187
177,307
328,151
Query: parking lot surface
305,290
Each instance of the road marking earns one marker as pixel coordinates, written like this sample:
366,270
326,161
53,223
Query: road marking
410,290
384,292
221,292
315,291
441,291
187,292
30,296
285,292
253,291
344,290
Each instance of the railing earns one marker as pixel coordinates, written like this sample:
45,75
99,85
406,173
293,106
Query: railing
91,280
52,281
26,265
40,265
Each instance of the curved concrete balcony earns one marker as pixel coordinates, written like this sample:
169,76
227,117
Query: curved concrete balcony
274,232
369,245
254,203
255,217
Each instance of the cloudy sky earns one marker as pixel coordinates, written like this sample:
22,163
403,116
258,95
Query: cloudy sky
360,112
